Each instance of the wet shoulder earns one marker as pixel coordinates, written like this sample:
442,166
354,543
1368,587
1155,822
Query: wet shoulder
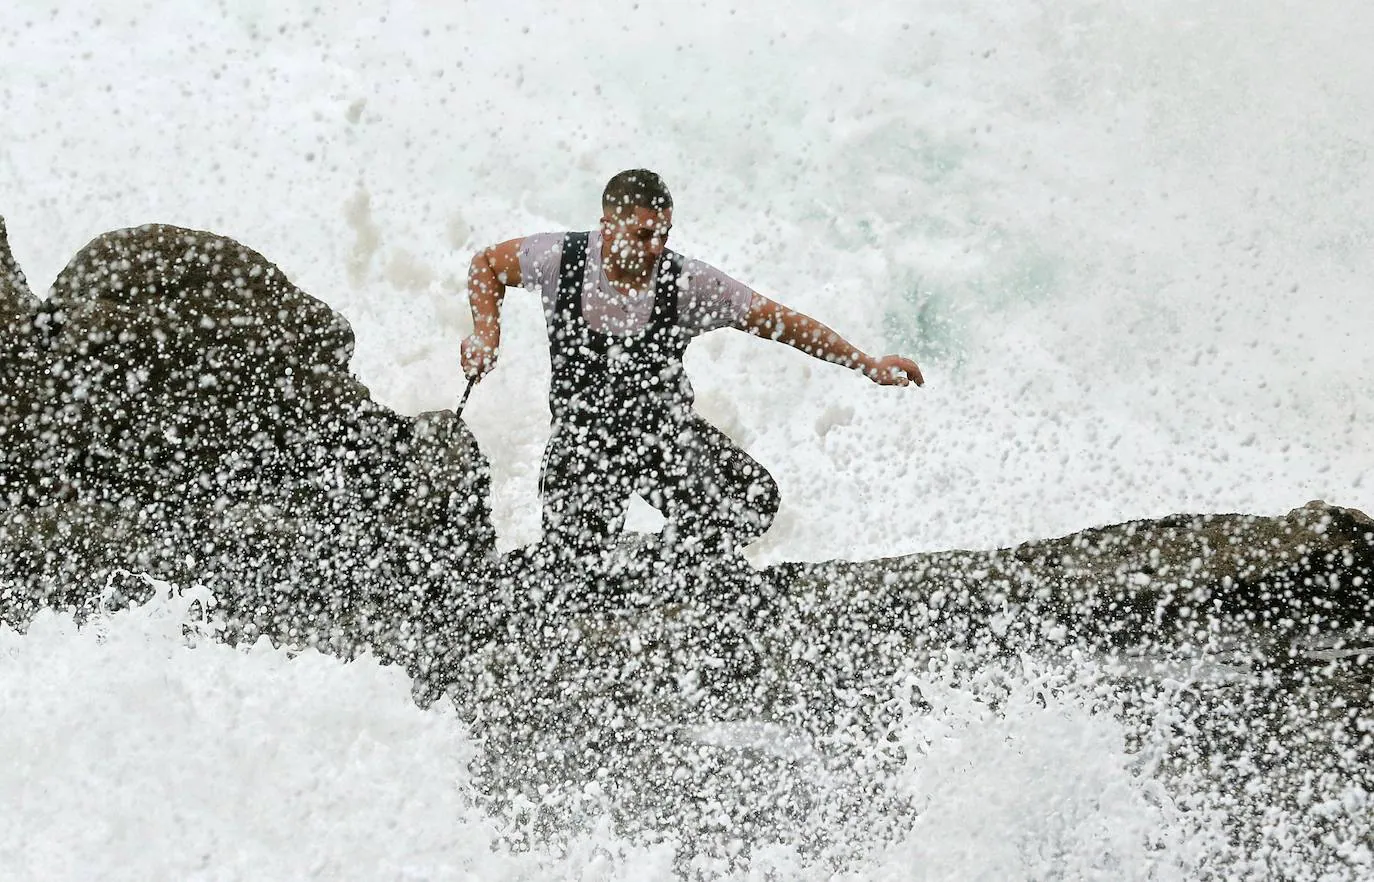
710,298
540,256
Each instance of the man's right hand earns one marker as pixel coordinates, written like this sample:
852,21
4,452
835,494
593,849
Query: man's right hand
479,356
893,370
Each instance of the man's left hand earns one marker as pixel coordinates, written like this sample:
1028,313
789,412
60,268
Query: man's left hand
893,370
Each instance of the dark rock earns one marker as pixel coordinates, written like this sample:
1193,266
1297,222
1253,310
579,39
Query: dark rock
600,669
797,634
178,407
1178,577
16,300
190,370
21,375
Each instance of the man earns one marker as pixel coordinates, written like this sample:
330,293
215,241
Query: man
620,309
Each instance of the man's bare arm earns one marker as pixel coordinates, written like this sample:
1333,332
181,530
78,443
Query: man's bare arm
767,318
493,269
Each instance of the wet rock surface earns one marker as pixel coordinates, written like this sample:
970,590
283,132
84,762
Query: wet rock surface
635,675
177,406
1285,586
16,299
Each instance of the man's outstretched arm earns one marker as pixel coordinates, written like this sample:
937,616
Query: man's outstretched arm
767,318
493,269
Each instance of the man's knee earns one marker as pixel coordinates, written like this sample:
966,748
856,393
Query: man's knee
764,497
760,502
745,506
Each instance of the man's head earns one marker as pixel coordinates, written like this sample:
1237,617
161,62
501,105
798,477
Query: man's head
636,215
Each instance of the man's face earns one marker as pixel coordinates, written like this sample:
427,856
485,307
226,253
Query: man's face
637,237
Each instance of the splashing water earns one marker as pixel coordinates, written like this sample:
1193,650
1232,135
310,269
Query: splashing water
1128,244
141,749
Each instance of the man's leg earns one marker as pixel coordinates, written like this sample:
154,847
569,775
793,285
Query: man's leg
710,491
584,486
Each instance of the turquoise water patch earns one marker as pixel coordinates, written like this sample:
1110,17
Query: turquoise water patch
939,319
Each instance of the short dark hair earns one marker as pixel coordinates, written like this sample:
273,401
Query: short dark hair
636,187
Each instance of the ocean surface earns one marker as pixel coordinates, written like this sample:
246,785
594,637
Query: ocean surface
1128,243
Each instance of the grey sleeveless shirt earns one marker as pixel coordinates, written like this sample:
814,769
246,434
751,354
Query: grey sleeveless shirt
708,298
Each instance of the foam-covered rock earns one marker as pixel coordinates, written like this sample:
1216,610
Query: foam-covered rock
177,405
21,380
191,369
1281,588
15,297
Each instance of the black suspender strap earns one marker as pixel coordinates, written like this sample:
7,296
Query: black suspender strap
572,269
666,291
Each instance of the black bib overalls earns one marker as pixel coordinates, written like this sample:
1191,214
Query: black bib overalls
623,424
